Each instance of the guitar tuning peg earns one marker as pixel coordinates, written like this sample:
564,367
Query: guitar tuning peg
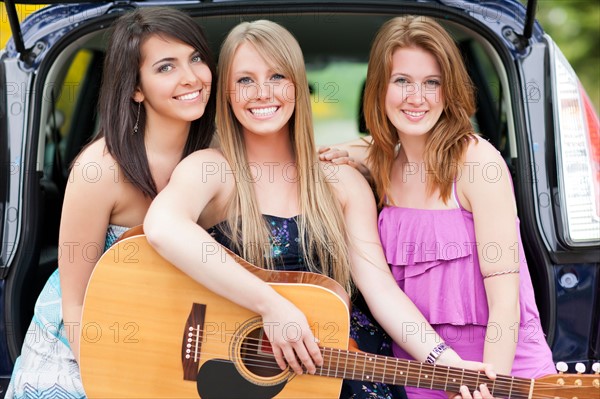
596,368
580,368
562,367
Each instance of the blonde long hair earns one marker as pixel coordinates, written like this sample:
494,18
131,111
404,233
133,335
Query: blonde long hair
321,224
448,139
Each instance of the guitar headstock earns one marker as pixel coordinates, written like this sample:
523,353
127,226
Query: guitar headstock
569,386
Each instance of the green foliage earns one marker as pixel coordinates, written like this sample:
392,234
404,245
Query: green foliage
575,27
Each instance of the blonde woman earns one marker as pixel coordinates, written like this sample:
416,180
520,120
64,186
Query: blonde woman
265,195
448,222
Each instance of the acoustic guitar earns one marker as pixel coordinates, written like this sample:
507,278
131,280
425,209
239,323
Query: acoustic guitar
150,331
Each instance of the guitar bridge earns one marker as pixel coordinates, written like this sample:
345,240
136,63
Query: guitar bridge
191,345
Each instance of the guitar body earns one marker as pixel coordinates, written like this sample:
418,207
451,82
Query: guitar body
150,331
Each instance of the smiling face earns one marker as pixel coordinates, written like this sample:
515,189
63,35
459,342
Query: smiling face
414,99
261,98
174,81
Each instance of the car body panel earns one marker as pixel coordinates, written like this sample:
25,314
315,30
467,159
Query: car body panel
570,314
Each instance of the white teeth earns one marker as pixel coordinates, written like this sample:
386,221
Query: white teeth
189,96
263,111
415,114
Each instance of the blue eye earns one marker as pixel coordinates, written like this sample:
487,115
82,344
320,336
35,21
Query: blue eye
432,84
197,58
245,80
165,68
277,76
401,81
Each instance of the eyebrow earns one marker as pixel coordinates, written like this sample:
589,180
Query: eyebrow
409,76
241,73
252,73
247,74
171,59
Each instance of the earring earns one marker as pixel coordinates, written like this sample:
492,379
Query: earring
137,120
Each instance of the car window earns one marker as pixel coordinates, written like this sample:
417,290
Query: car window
70,99
489,95
336,94
72,119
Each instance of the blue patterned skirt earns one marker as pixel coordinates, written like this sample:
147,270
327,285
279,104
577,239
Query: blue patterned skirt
371,338
47,367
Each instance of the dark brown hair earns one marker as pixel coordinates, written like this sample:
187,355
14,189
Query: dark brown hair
118,111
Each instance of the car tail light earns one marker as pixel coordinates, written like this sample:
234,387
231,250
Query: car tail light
578,155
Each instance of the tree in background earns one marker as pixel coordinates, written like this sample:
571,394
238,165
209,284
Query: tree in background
575,27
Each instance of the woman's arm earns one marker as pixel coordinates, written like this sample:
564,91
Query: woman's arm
198,190
390,306
353,153
486,190
89,201
394,311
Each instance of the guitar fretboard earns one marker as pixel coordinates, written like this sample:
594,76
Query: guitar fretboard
361,366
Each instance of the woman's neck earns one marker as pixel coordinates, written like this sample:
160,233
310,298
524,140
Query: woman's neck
275,177
412,149
273,149
166,138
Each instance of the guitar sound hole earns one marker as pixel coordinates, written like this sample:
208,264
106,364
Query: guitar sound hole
257,355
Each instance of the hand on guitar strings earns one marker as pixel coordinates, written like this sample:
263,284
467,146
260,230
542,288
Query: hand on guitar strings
481,393
292,340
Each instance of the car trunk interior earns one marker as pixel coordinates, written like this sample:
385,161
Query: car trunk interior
336,48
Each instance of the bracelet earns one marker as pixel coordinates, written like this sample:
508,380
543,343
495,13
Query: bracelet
436,352
500,273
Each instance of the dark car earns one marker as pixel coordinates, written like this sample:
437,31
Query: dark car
530,105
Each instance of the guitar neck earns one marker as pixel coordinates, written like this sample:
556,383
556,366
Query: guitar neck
362,366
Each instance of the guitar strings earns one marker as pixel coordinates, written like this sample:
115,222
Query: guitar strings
468,377
270,364
524,393
375,368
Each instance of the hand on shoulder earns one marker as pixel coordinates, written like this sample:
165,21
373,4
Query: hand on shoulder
353,153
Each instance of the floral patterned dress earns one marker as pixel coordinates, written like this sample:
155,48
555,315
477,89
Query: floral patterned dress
47,368
370,337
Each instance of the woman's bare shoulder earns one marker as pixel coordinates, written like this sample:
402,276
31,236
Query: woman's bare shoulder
481,150
348,183
94,164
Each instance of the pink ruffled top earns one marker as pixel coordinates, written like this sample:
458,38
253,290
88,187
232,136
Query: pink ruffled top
433,257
